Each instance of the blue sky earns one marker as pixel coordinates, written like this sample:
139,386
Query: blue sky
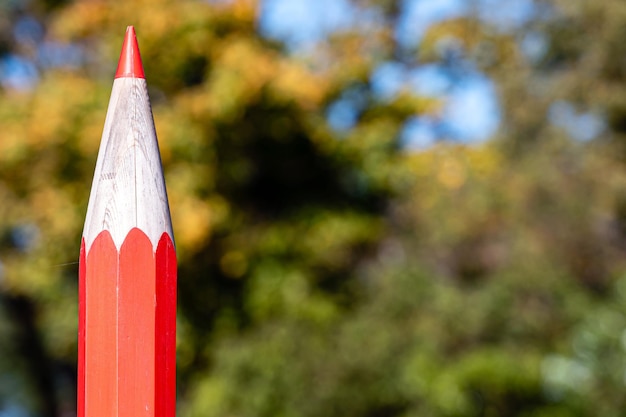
471,111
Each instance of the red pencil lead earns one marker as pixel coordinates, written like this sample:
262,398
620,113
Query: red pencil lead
130,64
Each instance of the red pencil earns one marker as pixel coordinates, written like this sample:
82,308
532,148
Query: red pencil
127,273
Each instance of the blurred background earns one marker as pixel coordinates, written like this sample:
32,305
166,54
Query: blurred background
411,208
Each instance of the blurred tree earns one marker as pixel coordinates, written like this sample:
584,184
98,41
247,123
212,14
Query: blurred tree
272,212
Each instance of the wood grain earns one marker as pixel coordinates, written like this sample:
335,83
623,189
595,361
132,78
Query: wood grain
128,188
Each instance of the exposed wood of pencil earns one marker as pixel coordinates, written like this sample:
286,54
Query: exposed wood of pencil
128,188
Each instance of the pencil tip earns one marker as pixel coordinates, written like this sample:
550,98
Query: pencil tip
130,64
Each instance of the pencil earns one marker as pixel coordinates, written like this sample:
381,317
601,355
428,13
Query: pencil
127,267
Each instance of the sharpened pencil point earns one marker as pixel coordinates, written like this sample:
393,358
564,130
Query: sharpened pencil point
130,64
